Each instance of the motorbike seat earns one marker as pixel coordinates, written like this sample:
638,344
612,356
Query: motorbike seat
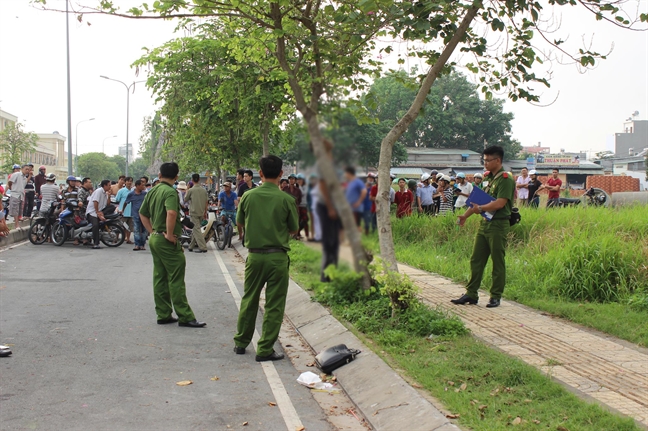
569,201
111,216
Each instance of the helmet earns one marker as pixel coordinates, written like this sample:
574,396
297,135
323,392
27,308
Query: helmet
478,175
461,175
425,177
71,178
392,176
372,175
301,176
439,176
50,177
42,168
79,179
533,172
434,173
16,166
445,178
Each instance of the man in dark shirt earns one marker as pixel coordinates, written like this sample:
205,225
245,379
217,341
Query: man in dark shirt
270,217
243,187
40,179
136,198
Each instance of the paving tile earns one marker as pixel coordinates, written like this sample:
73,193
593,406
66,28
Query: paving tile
608,371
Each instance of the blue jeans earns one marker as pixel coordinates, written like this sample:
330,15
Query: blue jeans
139,232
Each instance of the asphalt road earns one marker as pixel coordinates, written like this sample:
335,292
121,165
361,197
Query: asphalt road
88,354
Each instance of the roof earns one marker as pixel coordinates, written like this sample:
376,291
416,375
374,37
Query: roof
444,164
418,150
582,167
408,171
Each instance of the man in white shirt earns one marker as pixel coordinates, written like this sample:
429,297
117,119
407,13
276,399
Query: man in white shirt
97,202
463,190
16,184
49,193
522,185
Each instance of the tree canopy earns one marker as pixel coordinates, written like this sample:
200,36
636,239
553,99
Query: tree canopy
453,115
14,144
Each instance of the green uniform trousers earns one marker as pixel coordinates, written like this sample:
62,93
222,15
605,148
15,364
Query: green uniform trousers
490,241
168,279
197,235
261,269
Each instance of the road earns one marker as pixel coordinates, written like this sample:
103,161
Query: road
88,354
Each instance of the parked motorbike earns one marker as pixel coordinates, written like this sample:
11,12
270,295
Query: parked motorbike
70,226
216,228
593,197
41,226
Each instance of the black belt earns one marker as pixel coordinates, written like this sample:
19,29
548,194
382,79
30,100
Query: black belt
266,250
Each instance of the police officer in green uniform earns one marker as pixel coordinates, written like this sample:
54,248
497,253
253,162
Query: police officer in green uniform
269,217
160,215
491,236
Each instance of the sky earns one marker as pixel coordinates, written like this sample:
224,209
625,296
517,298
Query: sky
584,109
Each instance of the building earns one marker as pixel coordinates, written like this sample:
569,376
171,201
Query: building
633,140
536,149
632,166
122,151
448,161
50,152
6,119
572,171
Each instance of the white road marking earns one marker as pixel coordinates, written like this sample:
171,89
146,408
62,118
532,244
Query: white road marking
286,407
12,246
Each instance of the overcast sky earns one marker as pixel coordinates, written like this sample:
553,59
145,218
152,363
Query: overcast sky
589,109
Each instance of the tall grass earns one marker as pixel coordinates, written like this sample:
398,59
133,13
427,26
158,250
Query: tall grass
591,258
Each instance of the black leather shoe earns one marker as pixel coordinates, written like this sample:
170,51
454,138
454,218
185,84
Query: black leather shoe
274,356
239,350
465,299
200,251
492,303
167,320
193,324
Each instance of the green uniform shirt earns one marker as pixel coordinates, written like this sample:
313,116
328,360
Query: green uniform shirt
197,198
158,201
501,187
269,215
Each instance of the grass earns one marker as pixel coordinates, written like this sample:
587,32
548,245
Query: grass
588,265
484,388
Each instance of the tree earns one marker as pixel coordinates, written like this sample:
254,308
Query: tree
137,169
325,49
453,115
120,162
98,167
15,144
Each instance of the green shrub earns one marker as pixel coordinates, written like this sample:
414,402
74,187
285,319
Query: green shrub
639,301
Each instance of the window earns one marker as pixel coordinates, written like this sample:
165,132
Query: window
464,157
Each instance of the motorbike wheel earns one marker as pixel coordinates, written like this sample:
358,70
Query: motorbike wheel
112,236
38,232
221,237
59,234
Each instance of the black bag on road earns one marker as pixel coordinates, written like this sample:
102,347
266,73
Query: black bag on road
335,357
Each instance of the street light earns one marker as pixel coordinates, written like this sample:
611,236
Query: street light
128,87
76,144
104,141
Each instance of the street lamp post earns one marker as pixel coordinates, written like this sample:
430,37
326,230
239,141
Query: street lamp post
128,87
76,144
104,142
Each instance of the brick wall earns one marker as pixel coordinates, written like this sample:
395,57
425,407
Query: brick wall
613,184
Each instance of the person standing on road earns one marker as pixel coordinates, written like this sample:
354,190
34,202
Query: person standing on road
355,194
30,193
16,185
48,193
227,202
269,217
553,185
115,188
160,215
120,198
491,236
94,213
243,187
198,200
135,199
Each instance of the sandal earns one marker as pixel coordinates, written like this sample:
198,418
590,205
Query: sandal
136,249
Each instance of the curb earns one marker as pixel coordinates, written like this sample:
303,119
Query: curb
16,235
385,400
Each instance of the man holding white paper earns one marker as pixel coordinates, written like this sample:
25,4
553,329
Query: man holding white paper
492,234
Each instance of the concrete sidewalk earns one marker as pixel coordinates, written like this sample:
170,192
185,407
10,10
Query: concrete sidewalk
386,400
591,364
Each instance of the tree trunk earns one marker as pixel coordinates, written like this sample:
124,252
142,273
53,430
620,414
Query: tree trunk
386,238
327,171
265,126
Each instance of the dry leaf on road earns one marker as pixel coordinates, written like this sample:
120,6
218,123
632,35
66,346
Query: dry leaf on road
245,424
483,407
300,428
271,404
184,383
452,416
463,387
215,378
517,421
417,386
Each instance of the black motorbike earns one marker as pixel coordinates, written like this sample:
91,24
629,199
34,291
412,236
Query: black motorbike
593,197
71,226
41,226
